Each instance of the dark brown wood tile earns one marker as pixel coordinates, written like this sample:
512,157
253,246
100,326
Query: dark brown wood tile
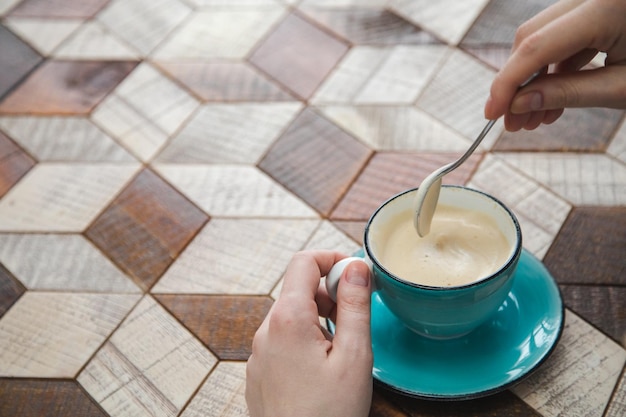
588,130
590,248
602,306
225,81
494,56
226,324
368,26
45,398
58,8
316,160
298,55
14,163
497,405
354,229
18,59
10,290
66,87
146,227
389,173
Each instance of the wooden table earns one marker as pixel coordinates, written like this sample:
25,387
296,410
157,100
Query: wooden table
160,163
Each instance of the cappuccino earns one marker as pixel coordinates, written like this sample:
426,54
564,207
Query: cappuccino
463,246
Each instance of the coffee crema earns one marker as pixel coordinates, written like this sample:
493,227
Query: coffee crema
463,246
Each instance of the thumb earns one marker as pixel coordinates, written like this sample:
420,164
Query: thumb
602,87
352,331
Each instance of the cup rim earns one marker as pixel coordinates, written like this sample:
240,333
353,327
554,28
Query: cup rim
512,259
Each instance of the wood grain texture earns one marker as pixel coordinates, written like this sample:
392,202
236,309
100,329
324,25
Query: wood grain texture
58,8
617,407
18,59
617,147
225,324
66,87
45,398
146,227
41,33
302,73
10,290
92,40
316,160
14,163
590,247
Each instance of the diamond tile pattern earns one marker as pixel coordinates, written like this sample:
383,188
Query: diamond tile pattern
162,160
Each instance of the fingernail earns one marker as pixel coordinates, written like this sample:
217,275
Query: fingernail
528,102
358,274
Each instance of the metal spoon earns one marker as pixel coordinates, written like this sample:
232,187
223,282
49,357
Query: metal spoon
427,195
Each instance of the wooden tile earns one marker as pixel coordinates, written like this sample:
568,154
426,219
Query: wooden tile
151,365
369,26
223,393
144,111
222,260
354,229
93,41
41,33
493,56
230,133
54,334
583,179
540,212
590,247
578,130
56,197
315,160
63,139
143,24
18,59
220,33
396,128
45,398
389,173
225,324
601,305
447,19
457,95
10,290
381,75
146,227
234,191
14,164
339,4
328,236
7,5
617,148
225,81
580,375
302,73
63,262
58,8
618,404
65,87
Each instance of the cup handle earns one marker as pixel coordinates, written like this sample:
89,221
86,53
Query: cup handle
332,279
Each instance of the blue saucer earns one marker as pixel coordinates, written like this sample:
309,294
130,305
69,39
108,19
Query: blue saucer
512,344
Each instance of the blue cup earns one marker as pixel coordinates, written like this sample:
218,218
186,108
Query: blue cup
439,312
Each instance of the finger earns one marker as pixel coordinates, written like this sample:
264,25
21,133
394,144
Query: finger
552,116
325,305
303,274
352,333
515,122
535,119
577,61
601,87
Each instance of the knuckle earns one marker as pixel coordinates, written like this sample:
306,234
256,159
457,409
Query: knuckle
531,44
522,33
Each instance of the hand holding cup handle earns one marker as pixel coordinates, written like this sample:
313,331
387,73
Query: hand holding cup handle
334,275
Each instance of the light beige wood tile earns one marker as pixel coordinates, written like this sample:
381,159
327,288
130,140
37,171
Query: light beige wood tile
233,3
234,191
582,179
143,23
144,110
54,334
396,128
230,133
617,408
236,256
457,96
151,365
381,75
579,377
43,34
93,41
223,393
539,211
220,33
63,139
62,197
345,3
447,19
61,262
7,5
617,148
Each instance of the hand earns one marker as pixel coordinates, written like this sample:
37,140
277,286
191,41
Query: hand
568,34
296,367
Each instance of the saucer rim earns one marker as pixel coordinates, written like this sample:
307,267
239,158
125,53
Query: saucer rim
496,389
